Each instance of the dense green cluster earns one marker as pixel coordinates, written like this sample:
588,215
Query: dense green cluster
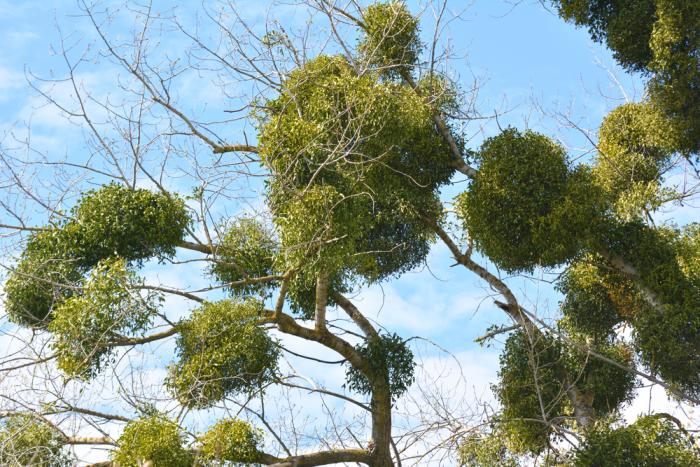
625,26
667,334
222,349
535,377
26,440
390,37
605,386
231,440
389,359
45,276
636,142
526,207
649,442
675,68
155,439
247,250
530,390
687,247
659,38
589,304
107,308
356,165
134,224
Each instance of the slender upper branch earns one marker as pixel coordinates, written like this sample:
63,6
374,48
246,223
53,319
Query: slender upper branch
355,314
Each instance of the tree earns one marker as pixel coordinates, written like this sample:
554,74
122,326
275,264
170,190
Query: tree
354,144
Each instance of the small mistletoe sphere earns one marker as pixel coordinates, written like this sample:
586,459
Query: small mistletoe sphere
390,38
636,142
135,224
390,360
155,439
106,308
525,208
222,349
247,250
606,386
523,395
231,440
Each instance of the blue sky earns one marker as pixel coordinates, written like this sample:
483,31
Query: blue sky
532,68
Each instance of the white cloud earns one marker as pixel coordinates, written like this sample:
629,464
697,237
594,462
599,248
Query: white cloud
10,81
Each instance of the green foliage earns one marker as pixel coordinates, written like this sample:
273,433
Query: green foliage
389,359
486,450
326,232
135,224
247,250
442,94
390,37
588,306
625,26
525,207
28,441
107,308
111,221
320,227
530,391
687,247
659,38
652,441
155,439
44,277
231,440
222,349
667,335
356,164
675,84
636,142
605,386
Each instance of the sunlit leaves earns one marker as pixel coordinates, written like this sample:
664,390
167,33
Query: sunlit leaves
155,439
390,39
486,450
636,144
246,251
390,359
107,308
222,350
675,85
135,224
231,440
525,207
30,441
111,221
650,441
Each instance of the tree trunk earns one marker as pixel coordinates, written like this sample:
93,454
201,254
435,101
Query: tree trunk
381,426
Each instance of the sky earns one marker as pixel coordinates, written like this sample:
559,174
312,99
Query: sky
532,69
